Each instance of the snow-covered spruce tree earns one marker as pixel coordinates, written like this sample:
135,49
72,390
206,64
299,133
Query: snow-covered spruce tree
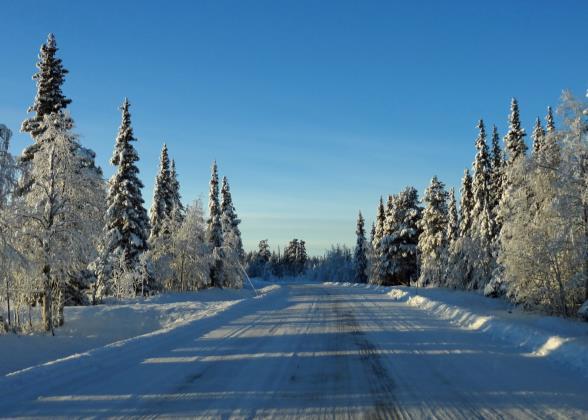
538,137
550,155
497,174
460,262
161,207
233,253
514,140
259,264
433,238
360,253
384,264
214,231
177,208
466,206
482,229
57,216
452,219
7,167
126,224
376,241
48,99
399,245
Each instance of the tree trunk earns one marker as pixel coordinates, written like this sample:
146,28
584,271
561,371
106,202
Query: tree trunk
47,301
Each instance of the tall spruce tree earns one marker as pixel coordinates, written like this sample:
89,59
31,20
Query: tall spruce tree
214,232
514,140
399,247
550,124
49,98
162,205
466,204
230,222
433,238
481,218
178,210
360,256
453,218
538,137
126,222
376,255
497,161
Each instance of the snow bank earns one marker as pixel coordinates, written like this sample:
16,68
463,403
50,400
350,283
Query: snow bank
89,327
564,341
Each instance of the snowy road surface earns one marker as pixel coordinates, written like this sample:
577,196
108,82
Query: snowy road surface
304,351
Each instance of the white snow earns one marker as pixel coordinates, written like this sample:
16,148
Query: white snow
89,327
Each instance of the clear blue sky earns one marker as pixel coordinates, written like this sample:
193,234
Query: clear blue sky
313,109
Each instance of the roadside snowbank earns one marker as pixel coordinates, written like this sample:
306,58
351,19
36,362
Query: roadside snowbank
89,327
564,341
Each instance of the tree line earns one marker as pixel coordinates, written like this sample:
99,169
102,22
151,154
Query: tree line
520,229
69,237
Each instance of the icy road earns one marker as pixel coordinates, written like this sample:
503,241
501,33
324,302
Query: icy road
312,351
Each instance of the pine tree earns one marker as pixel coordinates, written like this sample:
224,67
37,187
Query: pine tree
453,218
126,222
376,255
360,257
538,137
214,233
515,138
466,204
433,238
229,220
162,205
551,151
49,98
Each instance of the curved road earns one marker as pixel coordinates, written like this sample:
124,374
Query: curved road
313,351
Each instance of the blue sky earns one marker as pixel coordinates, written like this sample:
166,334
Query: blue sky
313,109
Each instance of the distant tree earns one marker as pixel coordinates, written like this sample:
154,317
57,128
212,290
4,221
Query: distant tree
360,254
538,137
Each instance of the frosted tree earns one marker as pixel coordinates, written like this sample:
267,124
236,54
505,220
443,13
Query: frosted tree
376,242
191,257
482,229
7,167
538,137
549,158
452,218
49,99
214,232
233,254
177,209
229,220
399,245
550,123
466,204
496,176
360,254
57,217
126,228
162,205
515,137
433,238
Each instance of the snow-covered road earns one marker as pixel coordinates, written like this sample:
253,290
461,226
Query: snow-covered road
304,351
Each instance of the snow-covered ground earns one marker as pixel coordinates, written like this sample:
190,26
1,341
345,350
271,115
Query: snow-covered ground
304,351
559,340
89,327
